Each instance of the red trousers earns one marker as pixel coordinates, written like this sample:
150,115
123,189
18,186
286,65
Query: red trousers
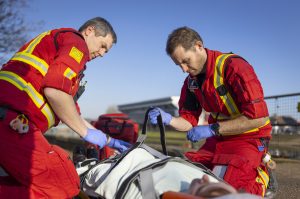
36,169
241,157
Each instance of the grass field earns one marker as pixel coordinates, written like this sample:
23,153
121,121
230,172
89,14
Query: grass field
177,141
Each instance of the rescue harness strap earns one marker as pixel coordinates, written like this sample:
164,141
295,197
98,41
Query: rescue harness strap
219,76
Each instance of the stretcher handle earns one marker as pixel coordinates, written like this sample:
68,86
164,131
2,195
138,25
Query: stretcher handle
161,130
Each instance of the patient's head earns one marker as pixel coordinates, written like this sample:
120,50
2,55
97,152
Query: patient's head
204,188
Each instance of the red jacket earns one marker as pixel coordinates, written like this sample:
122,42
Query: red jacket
53,59
239,81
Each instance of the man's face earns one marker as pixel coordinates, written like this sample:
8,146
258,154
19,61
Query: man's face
191,61
97,45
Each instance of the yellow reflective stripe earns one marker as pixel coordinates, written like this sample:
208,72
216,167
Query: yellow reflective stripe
35,42
259,180
263,176
219,81
69,73
48,113
32,60
27,56
35,96
256,129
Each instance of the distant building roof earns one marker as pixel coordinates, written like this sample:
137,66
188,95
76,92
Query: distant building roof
283,120
173,100
137,110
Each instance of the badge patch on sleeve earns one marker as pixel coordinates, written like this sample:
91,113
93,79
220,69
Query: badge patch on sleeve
76,54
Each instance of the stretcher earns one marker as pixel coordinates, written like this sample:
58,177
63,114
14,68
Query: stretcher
140,172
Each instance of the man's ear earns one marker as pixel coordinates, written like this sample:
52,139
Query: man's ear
198,44
88,30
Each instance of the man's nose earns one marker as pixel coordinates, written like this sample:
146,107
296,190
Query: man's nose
184,68
101,52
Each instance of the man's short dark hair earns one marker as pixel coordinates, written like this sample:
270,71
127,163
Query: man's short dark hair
102,27
183,36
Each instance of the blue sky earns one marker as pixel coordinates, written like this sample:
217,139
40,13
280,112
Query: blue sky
265,32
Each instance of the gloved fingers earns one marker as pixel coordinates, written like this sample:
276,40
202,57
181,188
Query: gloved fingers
160,111
153,121
154,113
112,142
119,145
190,136
153,116
126,144
95,136
122,149
192,139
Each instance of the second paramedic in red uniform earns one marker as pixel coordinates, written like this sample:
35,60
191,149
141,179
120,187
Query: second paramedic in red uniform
226,86
40,85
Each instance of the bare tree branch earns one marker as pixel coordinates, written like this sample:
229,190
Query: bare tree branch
13,29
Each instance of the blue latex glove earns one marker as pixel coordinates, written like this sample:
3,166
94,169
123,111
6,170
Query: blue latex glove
166,117
120,145
95,136
200,132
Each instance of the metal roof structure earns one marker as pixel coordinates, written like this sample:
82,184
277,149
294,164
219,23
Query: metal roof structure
137,110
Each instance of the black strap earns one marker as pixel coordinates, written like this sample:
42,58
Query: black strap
79,92
161,130
81,87
144,129
162,134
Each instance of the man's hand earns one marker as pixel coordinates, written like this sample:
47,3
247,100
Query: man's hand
166,117
120,145
200,132
95,136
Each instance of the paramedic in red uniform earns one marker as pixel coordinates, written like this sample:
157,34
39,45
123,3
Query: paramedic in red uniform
226,86
39,88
